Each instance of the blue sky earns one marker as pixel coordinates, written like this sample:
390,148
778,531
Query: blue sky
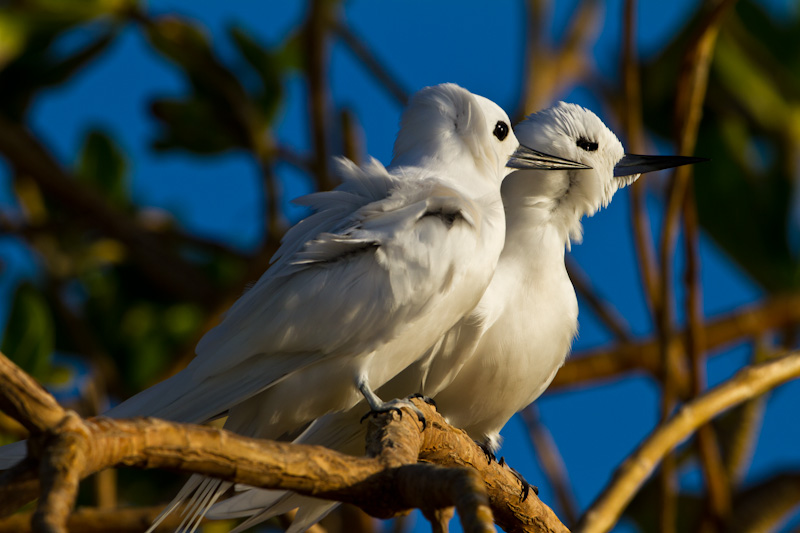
423,43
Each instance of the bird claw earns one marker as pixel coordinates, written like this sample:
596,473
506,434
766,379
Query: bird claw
396,405
487,451
526,487
427,399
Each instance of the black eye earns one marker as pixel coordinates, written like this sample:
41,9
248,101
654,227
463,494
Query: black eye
586,144
500,130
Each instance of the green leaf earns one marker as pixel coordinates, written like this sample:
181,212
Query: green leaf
29,60
750,131
102,165
29,337
268,69
192,125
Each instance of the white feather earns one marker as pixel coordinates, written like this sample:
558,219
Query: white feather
504,354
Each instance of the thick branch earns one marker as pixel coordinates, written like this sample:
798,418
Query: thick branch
387,482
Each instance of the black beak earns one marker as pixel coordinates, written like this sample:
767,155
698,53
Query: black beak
528,158
639,164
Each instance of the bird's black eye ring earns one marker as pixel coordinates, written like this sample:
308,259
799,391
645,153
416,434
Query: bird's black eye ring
501,130
586,144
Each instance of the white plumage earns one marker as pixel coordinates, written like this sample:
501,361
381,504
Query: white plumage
503,355
359,290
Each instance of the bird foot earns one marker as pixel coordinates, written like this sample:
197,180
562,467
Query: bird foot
427,399
396,405
487,450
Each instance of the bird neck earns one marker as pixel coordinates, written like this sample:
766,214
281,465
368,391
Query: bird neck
461,172
539,202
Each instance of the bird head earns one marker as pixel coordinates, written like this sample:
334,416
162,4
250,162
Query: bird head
572,132
446,126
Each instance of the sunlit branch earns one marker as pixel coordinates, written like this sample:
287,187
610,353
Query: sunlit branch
746,384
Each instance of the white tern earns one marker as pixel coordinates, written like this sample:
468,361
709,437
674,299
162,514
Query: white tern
361,289
504,354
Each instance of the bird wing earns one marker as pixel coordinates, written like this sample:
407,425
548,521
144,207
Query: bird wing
370,260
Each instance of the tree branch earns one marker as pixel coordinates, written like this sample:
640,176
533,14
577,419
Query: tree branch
386,482
619,359
629,477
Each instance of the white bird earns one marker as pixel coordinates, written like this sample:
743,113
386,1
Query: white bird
504,354
362,288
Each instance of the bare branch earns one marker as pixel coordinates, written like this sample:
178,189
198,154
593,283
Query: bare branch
634,132
613,362
748,383
603,309
551,463
371,62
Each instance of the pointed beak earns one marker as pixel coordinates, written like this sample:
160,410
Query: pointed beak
639,164
528,158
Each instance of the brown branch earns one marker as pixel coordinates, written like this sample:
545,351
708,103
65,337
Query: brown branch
692,84
547,70
629,477
613,362
711,462
352,143
388,481
551,462
315,35
634,132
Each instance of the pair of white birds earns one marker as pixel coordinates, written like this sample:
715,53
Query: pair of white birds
416,278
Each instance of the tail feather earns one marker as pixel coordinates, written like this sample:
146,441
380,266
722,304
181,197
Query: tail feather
309,512
338,431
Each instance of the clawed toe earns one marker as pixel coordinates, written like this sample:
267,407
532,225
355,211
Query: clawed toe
396,405
490,456
526,487
427,399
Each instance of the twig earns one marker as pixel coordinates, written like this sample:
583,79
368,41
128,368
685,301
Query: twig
551,462
634,132
603,309
692,82
617,360
746,384
352,144
547,71
710,456
371,62
317,27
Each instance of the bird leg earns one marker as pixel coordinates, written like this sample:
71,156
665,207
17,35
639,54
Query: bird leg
377,405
